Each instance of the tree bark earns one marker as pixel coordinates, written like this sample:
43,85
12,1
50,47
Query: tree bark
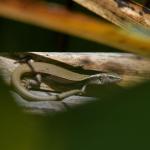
131,68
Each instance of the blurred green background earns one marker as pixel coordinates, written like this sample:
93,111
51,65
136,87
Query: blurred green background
120,120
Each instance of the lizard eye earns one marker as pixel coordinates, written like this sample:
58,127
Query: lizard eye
111,77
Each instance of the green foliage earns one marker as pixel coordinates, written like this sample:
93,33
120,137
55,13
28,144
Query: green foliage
118,121
17,129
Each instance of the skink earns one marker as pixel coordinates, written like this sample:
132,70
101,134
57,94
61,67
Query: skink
58,74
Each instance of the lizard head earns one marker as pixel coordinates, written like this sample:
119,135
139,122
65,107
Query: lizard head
104,78
101,79
109,78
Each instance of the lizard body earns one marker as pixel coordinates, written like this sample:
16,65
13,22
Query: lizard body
60,75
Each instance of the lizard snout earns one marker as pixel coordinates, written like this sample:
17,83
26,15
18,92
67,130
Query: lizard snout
108,78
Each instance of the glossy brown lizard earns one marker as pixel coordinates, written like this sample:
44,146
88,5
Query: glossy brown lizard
61,75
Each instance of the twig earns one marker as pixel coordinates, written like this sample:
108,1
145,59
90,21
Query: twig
131,68
58,18
126,14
